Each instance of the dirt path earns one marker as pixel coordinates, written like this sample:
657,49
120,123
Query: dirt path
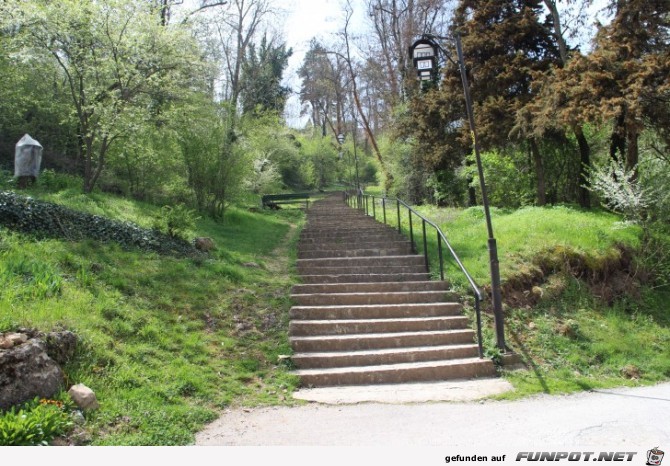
628,418
277,262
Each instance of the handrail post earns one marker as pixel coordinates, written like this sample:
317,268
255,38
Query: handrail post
384,207
425,243
397,203
480,343
439,253
374,213
411,230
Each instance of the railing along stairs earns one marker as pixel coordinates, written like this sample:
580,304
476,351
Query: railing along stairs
369,204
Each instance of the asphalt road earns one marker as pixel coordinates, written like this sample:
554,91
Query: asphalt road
633,417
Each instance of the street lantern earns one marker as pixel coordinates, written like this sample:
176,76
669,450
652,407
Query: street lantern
423,54
420,53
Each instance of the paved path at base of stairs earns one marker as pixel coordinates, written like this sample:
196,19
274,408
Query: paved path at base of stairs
459,390
633,418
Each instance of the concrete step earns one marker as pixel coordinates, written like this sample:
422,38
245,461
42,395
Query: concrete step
353,239
397,251
370,287
347,230
398,373
383,356
380,340
364,277
403,260
385,325
386,297
375,269
375,311
340,246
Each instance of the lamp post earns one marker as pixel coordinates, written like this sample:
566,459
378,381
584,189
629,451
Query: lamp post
423,54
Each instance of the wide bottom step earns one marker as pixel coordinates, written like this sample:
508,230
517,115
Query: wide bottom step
398,373
383,356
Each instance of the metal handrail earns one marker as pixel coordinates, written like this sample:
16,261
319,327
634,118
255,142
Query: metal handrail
359,201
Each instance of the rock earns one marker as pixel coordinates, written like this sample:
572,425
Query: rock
78,417
26,372
83,397
569,328
532,326
61,346
17,338
204,244
631,371
6,343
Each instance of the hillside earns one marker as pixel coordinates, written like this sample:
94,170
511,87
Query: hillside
586,303
166,340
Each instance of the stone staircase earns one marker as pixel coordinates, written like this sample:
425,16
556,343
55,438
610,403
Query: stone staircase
367,312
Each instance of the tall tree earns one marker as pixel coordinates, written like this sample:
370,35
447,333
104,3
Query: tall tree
623,82
577,128
236,28
324,88
353,75
262,73
505,43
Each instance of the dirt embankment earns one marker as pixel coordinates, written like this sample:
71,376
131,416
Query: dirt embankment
610,275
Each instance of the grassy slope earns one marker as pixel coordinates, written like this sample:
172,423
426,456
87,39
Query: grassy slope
570,339
166,341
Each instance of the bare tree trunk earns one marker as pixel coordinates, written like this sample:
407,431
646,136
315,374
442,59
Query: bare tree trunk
585,165
584,149
632,150
539,173
388,177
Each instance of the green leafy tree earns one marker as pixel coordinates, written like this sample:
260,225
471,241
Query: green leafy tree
117,61
216,167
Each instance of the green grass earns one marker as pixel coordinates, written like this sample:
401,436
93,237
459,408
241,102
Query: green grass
166,342
570,338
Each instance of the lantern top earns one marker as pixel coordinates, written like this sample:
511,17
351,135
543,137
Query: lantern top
26,140
423,48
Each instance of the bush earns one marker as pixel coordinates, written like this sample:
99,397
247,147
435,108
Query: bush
620,190
176,221
36,423
508,180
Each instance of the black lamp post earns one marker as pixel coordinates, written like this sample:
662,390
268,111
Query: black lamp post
423,54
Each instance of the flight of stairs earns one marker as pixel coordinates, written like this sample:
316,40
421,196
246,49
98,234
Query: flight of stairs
367,312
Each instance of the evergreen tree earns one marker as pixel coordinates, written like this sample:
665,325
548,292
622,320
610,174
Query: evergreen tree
624,81
262,72
505,43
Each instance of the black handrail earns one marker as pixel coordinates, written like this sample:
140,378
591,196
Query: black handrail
356,200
